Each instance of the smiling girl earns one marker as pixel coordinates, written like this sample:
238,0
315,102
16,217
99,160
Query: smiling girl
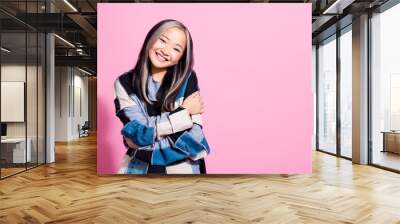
158,102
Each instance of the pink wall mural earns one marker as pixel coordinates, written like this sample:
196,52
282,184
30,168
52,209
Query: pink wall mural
253,64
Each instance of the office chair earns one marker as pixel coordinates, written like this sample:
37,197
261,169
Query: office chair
84,130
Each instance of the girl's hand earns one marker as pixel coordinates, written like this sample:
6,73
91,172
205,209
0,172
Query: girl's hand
194,103
130,143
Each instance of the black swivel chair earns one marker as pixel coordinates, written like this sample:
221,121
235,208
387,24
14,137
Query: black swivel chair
84,130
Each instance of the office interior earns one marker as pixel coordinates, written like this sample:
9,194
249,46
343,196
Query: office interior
48,127
357,85
48,79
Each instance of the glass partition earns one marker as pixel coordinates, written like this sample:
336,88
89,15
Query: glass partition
22,77
13,103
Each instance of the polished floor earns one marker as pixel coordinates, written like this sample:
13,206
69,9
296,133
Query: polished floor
70,191
387,159
5,172
8,171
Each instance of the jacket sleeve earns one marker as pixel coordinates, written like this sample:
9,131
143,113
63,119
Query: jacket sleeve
142,129
191,144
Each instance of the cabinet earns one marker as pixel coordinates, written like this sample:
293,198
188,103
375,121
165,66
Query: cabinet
13,150
391,142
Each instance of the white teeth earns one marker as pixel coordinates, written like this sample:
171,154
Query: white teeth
160,58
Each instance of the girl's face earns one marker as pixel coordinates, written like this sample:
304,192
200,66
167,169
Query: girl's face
168,49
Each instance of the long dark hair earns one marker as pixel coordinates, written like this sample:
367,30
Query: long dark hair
176,75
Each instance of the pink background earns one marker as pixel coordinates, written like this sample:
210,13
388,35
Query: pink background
253,62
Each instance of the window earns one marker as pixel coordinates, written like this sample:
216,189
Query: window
327,95
385,88
346,92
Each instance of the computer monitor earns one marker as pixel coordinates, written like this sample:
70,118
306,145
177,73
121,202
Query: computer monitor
3,129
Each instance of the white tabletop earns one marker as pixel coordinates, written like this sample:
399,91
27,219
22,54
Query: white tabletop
13,140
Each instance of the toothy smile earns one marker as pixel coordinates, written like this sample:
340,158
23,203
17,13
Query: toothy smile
161,58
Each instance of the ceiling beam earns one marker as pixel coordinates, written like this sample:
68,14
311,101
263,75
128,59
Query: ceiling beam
337,7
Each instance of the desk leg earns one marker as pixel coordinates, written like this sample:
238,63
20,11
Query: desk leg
384,142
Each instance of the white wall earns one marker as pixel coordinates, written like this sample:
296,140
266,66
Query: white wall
12,73
62,81
15,72
70,83
79,117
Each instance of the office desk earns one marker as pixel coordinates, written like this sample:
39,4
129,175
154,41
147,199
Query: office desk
13,150
391,141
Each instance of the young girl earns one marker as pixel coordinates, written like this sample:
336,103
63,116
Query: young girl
158,102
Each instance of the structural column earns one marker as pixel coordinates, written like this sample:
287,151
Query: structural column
50,92
360,90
